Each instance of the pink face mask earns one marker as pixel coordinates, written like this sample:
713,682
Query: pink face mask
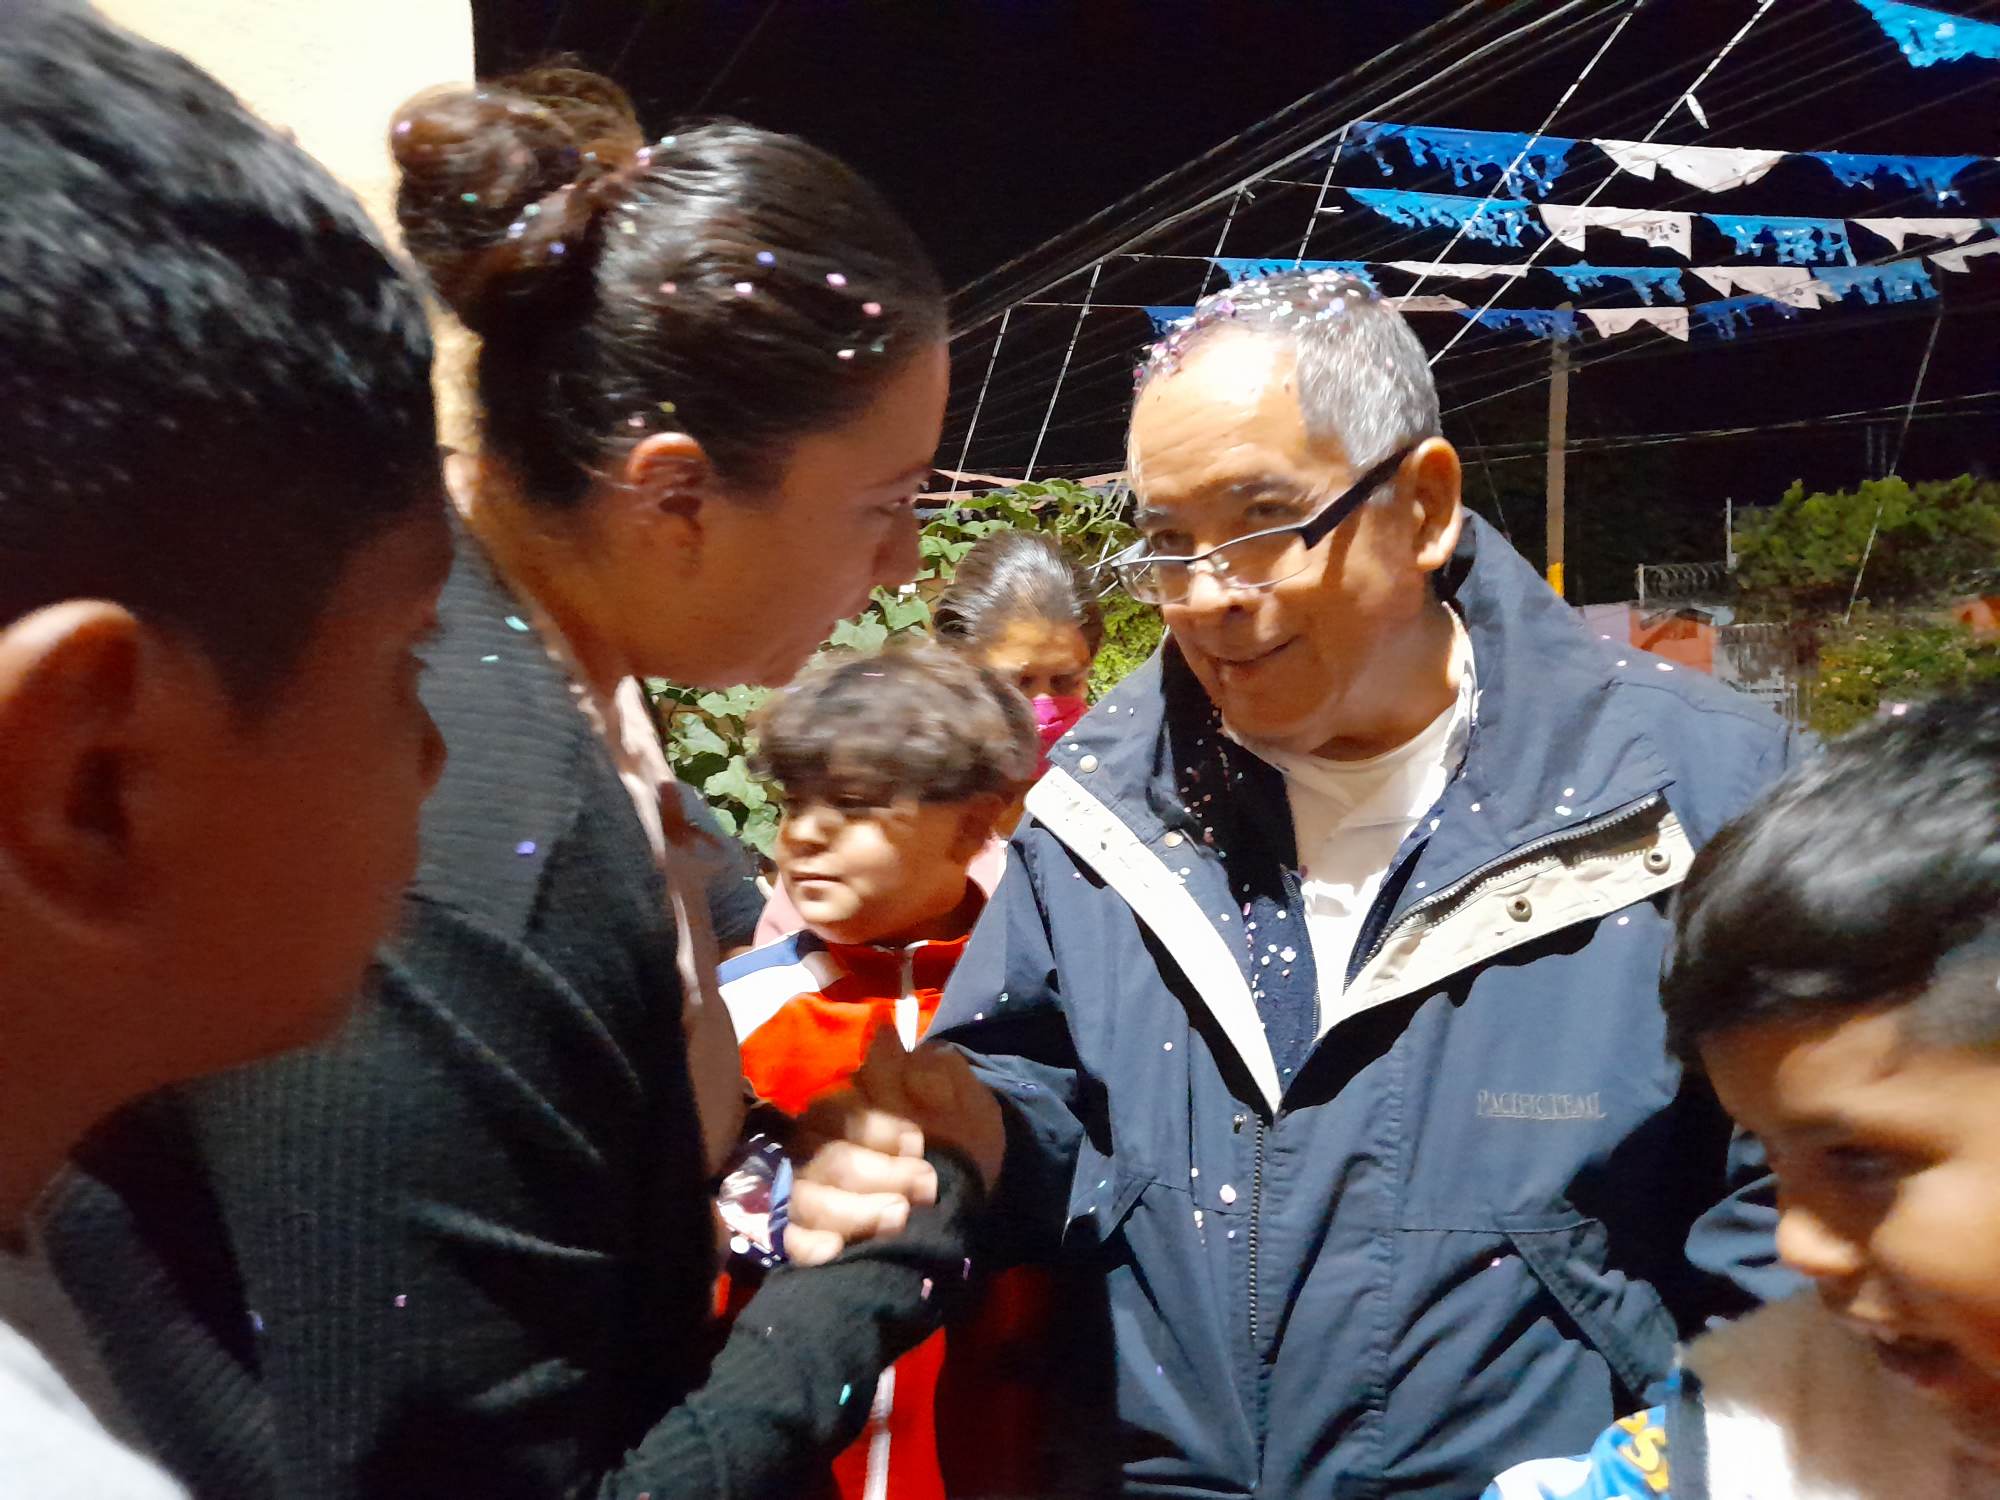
1054,718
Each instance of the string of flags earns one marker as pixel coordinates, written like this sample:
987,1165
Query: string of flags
1663,292
1511,223
1527,166
1934,36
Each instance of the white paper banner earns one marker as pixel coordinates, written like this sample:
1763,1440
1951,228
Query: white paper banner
1792,285
1710,168
1895,231
1672,321
1452,270
1955,260
1667,231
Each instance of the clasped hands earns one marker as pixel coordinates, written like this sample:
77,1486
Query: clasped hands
859,1153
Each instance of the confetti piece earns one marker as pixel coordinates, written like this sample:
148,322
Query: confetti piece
402,1299
745,288
766,258
845,1392
871,309
489,658
515,622
834,278
526,846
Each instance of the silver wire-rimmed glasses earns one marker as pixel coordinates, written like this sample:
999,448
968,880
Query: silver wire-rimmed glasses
1260,560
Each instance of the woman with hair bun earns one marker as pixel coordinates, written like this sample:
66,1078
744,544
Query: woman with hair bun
474,1239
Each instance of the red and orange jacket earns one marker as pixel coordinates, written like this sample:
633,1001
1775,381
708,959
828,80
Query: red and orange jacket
805,1011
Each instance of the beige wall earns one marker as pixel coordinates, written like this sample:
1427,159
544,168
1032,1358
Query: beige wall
331,72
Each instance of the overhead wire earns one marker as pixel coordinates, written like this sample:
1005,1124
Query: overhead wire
1088,377
1763,7
1505,70
1815,40
1507,176
1512,66
1304,137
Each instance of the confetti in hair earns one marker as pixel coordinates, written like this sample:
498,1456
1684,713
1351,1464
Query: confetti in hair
1310,297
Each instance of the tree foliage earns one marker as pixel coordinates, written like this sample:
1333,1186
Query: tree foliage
1935,541
1878,661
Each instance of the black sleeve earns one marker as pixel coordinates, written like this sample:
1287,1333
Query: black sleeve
794,1383
478,1242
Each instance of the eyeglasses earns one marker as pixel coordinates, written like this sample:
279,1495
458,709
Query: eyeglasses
1260,560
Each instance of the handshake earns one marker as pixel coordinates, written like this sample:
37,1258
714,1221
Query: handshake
859,1153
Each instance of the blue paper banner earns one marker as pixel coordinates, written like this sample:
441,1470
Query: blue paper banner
1934,36
1240,269
1894,281
1724,317
1164,318
1929,174
1495,221
1799,242
1645,280
1469,154
1541,322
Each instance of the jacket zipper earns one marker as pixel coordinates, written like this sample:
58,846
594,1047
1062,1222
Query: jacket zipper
1486,873
1256,1212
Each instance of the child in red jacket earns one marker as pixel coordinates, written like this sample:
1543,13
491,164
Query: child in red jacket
896,770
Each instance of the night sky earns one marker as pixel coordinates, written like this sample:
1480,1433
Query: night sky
1000,126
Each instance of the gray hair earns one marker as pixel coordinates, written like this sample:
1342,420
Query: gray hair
1363,378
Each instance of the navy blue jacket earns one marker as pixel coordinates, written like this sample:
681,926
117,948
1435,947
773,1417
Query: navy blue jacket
1461,1222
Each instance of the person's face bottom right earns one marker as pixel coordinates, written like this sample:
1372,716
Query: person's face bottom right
1887,1151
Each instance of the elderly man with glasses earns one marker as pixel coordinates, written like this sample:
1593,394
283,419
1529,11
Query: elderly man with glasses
1320,999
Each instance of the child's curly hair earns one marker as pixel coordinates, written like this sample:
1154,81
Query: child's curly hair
916,721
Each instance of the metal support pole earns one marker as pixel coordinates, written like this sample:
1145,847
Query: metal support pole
1558,437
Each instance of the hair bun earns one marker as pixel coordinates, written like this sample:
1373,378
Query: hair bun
495,199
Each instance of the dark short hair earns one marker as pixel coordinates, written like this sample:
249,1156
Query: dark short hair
728,282
214,385
1015,575
1868,877
915,721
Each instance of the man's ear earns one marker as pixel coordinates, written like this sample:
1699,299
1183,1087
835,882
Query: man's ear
978,817
1432,482
70,696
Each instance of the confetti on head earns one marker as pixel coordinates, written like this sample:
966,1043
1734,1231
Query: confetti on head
1262,301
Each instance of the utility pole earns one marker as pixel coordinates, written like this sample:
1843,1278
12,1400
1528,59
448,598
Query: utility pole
1558,437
